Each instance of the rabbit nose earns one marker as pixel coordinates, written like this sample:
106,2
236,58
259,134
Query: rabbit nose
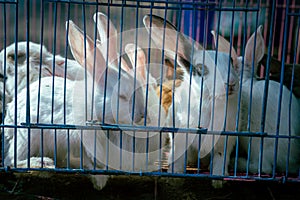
231,87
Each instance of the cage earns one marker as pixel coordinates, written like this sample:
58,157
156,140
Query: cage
145,88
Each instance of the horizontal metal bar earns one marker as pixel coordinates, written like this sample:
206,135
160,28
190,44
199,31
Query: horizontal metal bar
113,127
120,127
9,1
174,7
294,14
204,175
135,2
238,9
171,5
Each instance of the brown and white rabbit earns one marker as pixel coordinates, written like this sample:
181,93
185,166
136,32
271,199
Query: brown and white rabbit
195,88
263,149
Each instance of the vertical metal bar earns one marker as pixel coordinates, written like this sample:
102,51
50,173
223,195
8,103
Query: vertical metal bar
251,88
146,104
190,84
95,149
34,17
55,147
81,149
281,84
39,81
85,58
226,101
119,76
66,62
213,97
94,65
16,84
121,147
201,88
291,94
53,83
42,147
106,69
68,148
135,59
53,63
41,60
107,149
268,66
4,85
239,101
174,74
28,77
119,59
105,88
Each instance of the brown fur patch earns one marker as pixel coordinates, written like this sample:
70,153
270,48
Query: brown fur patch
167,93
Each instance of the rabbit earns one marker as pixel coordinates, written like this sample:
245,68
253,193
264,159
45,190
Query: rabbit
78,109
288,125
39,57
140,137
202,72
275,67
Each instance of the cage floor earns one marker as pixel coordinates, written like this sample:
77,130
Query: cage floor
72,186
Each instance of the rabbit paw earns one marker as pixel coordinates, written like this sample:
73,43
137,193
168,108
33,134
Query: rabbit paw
36,162
218,184
99,181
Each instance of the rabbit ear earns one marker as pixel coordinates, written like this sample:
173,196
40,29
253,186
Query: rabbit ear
107,31
140,60
224,46
163,31
259,48
92,57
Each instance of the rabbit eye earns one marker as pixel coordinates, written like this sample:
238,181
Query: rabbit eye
201,69
21,57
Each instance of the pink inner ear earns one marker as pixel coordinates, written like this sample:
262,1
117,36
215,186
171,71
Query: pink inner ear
60,62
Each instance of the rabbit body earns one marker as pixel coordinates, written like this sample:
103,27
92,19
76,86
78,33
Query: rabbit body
287,150
205,84
269,149
213,122
41,114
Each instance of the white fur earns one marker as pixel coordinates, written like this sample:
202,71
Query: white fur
79,109
272,101
288,117
35,63
212,121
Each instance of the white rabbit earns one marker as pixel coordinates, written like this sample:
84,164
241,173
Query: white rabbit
187,110
78,108
289,118
39,58
140,161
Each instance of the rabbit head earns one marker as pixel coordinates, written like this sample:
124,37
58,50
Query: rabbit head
254,52
192,58
139,63
118,96
14,59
